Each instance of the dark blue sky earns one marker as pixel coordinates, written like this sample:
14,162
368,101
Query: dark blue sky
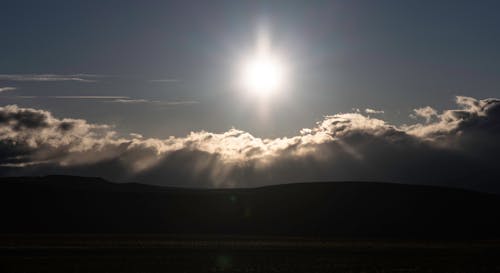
390,55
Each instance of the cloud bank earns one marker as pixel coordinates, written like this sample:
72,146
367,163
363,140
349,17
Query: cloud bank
457,147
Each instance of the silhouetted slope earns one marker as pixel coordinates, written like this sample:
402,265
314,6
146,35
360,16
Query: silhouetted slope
339,209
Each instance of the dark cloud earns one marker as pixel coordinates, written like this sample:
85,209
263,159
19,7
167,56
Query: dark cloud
20,119
457,147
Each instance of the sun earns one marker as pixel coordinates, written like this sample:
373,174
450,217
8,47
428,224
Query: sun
263,74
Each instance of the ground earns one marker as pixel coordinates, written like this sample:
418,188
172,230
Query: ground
161,253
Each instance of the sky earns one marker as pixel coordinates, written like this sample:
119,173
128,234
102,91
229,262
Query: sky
85,85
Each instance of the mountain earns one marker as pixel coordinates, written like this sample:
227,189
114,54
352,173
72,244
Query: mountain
66,204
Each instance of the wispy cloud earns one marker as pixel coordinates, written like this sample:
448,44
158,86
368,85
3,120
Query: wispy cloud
373,111
112,99
19,97
7,88
79,77
165,80
49,77
68,97
86,97
129,100
157,102
185,102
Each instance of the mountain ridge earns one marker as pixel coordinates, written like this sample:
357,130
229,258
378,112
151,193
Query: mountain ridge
68,204
49,178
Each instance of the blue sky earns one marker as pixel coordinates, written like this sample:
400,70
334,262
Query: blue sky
390,55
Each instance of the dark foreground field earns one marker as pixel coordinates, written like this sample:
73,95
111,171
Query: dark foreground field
307,227
155,253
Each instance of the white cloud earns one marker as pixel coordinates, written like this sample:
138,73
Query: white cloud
373,111
425,112
7,88
460,145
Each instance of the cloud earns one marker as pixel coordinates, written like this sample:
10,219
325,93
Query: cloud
49,77
127,100
7,88
180,102
425,112
86,97
71,97
113,99
373,111
165,80
458,148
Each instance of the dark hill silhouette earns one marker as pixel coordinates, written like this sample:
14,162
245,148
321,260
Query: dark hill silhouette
66,204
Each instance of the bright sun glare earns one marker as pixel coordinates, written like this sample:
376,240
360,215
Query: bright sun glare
263,73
